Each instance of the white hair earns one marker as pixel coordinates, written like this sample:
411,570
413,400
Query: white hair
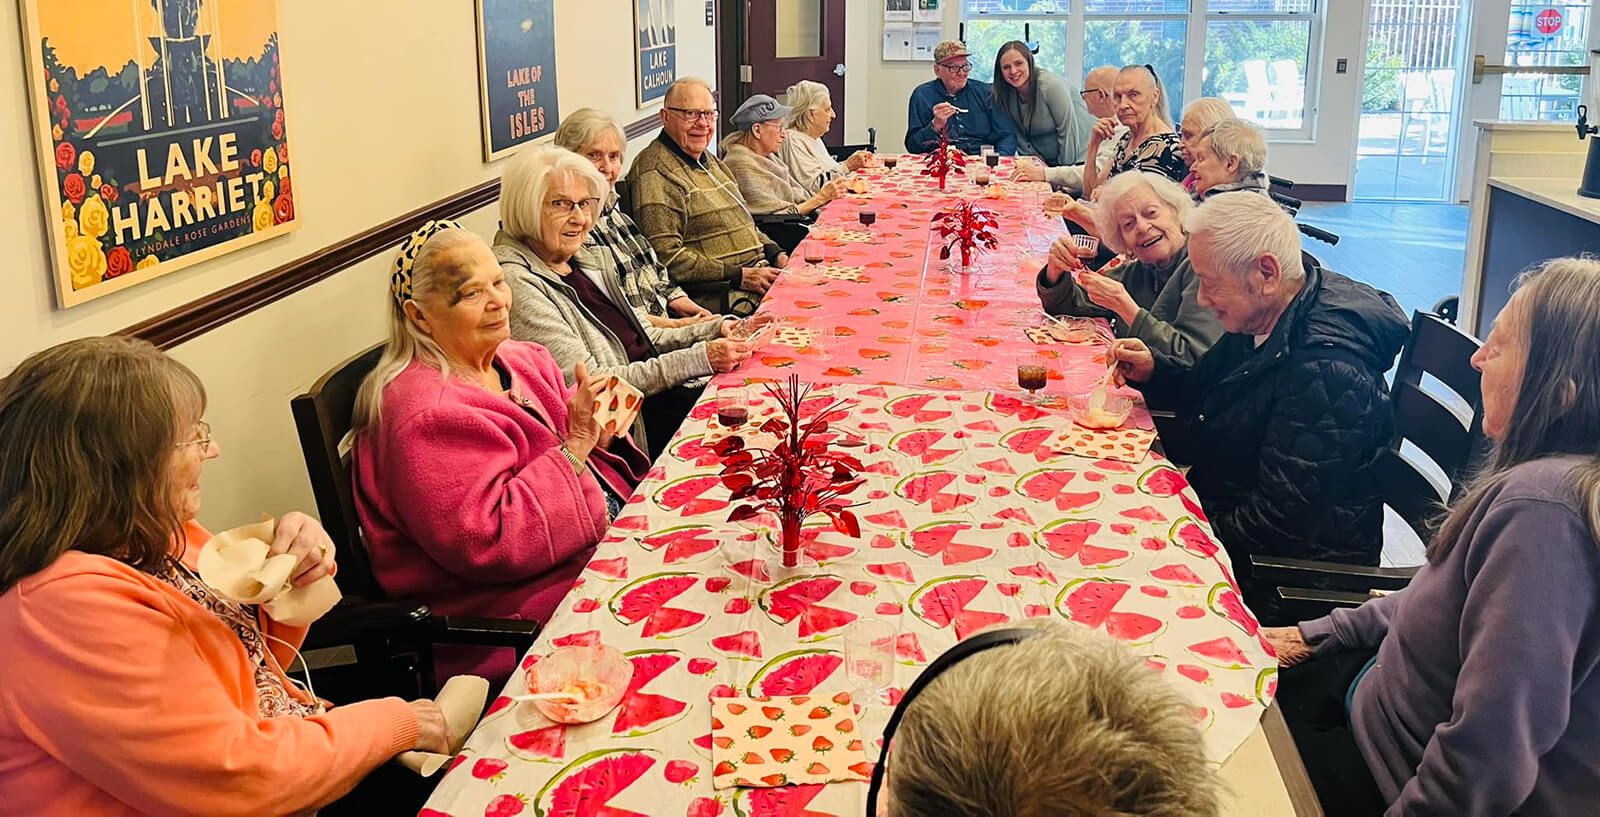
804,97
526,183
679,85
584,127
1205,113
1237,139
1163,108
1122,184
430,276
1240,227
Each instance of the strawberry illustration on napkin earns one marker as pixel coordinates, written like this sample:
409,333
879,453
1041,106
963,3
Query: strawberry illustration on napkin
616,404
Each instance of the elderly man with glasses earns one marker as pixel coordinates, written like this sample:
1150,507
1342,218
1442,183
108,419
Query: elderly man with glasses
1097,96
954,104
688,205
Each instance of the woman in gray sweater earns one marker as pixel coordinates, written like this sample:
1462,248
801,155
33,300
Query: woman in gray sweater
1483,697
1049,116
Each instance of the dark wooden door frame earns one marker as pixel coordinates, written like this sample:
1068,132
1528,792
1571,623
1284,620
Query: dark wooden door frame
732,46
772,75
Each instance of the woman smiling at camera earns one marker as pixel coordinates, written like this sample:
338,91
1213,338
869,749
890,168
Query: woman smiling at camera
130,687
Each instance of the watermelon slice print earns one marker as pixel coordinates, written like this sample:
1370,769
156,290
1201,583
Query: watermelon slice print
1220,652
822,552
1050,485
1224,601
646,600
1036,571
610,569
684,543
998,466
795,673
1030,441
587,785
1163,481
641,713
1092,603
544,745
800,598
745,645
921,444
782,801
686,495
915,407
943,603
893,571
695,450
929,488
1181,575
890,519
1012,407
1143,513
1187,534
1069,539
939,539
1267,686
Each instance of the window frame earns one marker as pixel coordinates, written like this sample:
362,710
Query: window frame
1197,19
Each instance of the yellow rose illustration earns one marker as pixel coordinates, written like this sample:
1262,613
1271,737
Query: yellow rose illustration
262,217
94,219
147,262
267,191
71,227
269,160
86,163
94,182
86,261
55,130
55,87
283,172
68,212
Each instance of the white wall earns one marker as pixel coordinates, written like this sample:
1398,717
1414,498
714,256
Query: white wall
384,112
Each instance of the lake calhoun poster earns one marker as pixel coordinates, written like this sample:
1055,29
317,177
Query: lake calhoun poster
517,73
161,134
656,55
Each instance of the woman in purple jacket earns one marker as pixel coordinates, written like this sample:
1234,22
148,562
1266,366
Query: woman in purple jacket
1484,696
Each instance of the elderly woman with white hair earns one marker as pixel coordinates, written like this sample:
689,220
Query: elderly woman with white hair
1153,295
1285,417
809,161
597,136
750,152
1149,143
1199,117
1087,729
568,300
482,480
1229,156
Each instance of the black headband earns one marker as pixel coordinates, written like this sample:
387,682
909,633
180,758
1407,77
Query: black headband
955,655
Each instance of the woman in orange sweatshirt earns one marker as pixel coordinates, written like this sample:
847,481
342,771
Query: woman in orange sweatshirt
128,687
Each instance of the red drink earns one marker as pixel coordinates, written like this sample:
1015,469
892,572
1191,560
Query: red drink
732,416
868,217
1031,377
813,253
890,161
992,160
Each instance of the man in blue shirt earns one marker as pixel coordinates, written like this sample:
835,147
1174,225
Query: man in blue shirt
962,106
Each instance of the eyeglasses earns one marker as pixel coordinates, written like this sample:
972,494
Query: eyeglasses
959,70
692,115
1088,92
566,207
203,440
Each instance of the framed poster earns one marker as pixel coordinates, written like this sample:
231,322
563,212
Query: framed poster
516,73
655,61
161,135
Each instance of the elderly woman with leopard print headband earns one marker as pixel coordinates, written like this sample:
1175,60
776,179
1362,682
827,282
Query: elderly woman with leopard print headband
482,480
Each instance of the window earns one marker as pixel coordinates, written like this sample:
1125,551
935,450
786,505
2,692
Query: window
1259,55
1545,34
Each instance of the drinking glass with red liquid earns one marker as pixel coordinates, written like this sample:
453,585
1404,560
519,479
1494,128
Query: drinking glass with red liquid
733,407
868,217
1033,373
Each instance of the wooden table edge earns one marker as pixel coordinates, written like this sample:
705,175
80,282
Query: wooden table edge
1290,768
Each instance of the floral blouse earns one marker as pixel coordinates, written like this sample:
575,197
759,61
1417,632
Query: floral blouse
272,696
1157,154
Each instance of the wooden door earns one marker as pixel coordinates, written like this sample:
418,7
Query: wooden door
792,40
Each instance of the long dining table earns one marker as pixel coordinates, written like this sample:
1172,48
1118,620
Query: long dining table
969,517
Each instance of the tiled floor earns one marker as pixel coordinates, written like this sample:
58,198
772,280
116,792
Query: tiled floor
1415,252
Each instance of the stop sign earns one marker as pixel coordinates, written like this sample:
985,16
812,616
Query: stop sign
1548,21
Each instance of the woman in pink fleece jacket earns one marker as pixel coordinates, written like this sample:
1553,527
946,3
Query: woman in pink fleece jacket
129,687
482,481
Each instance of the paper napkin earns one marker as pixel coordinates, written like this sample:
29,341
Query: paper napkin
795,337
236,565
1120,444
616,404
772,741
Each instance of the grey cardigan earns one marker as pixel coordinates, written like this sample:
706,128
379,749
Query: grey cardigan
546,310
1059,129
1170,320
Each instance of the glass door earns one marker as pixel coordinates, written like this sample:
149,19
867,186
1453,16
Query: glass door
1545,38
1410,92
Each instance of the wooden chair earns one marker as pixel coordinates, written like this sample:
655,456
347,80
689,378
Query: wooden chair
1424,422
391,636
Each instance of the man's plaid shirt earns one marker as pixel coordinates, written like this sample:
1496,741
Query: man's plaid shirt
644,280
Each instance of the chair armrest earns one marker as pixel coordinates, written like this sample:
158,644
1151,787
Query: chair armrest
1304,604
487,632
842,152
1284,572
356,619
781,218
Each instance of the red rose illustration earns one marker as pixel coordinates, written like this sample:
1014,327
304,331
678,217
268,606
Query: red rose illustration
109,193
66,156
283,153
284,186
118,262
74,188
283,209
61,108
255,157
272,87
277,129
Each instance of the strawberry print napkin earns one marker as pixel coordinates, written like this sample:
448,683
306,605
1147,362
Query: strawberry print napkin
795,337
616,404
1120,444
770,741
845,273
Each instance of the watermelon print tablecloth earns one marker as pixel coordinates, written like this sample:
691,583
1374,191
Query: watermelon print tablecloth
966,521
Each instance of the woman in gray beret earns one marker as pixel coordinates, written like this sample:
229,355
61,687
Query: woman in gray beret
764,180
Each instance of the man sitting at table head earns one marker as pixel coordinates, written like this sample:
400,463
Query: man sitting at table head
963,107
1067,721
1284,417
687,203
